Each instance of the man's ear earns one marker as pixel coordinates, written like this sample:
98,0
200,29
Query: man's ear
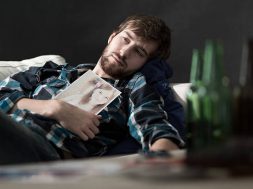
111,37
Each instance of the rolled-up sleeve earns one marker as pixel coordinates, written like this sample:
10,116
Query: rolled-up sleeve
10,93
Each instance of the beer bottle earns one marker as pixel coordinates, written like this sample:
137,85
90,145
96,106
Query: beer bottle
193,108
215,98
242,127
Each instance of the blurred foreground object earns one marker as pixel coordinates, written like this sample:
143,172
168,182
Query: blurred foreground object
209,100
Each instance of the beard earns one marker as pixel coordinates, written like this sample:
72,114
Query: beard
115,70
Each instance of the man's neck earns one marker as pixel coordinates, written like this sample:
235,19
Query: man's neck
100,72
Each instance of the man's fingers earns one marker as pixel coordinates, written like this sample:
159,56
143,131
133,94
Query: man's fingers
83,136
89,133
96,122
99,117
94,129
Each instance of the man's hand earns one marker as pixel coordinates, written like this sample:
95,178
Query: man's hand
164,145
82,123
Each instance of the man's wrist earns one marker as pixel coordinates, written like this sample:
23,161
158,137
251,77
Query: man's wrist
47,108
163,144
53,109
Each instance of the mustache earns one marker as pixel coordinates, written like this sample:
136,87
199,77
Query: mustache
121,59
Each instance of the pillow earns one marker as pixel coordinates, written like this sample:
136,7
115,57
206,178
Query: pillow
180,91
10,67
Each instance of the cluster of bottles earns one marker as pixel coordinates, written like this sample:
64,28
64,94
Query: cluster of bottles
216,114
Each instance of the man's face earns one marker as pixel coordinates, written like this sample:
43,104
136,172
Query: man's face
125,54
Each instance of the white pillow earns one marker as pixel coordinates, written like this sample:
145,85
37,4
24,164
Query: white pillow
10,67
180,91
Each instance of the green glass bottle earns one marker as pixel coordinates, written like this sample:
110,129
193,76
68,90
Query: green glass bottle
242,127
215,98
193,108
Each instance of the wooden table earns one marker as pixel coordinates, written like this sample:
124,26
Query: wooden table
109,173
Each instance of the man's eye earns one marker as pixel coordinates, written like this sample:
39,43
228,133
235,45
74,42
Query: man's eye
140,53
125,39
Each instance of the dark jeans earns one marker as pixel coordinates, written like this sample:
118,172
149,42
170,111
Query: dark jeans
19,144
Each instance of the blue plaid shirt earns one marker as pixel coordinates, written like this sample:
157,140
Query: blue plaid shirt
138,111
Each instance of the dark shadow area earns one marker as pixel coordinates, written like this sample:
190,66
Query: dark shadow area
78,30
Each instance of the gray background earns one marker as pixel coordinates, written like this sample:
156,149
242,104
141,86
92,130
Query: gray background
78,29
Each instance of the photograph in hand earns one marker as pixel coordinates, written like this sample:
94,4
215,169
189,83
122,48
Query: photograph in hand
89,92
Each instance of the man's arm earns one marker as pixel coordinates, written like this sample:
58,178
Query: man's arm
148,121
157,73
80,122
163,144
17,91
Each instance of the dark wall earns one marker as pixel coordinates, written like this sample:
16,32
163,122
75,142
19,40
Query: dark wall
78,29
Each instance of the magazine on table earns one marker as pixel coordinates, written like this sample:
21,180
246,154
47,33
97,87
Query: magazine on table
89,92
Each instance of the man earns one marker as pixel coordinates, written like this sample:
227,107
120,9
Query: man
65,129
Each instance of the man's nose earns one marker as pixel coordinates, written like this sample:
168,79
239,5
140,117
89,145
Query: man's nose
125,51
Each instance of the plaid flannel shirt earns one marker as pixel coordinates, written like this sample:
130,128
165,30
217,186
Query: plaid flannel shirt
137,111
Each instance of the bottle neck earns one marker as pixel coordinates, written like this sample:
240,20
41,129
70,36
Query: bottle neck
246,72
196,67
213,70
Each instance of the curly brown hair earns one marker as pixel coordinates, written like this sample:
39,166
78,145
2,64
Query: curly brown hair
149,28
